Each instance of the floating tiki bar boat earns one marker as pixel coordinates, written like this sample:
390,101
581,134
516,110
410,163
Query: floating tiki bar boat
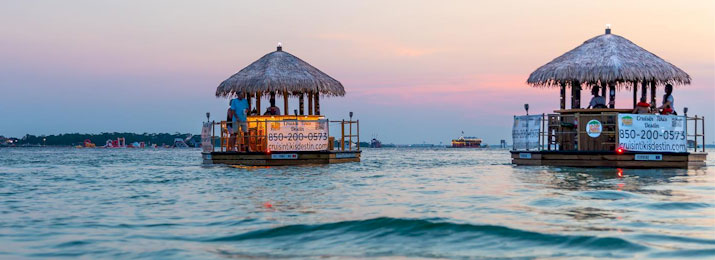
301,138
608,136
466,142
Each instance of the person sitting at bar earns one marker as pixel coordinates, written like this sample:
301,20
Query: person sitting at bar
597,101
273,110
667,107
642,107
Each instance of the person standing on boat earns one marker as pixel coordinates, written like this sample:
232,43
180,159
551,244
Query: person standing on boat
597,101
667,108
239,105
229,128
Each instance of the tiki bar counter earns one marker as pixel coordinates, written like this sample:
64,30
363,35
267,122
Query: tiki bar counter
647,135
297,137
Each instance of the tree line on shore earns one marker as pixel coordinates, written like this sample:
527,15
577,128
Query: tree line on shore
71,139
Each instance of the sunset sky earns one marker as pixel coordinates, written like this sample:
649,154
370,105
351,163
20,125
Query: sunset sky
414,71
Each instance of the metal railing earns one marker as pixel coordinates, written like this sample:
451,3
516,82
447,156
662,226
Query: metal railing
350,134
561,132
695,134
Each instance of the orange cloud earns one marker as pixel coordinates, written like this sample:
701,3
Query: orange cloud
381,45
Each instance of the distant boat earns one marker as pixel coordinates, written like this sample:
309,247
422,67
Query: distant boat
375,143
467,142
180,143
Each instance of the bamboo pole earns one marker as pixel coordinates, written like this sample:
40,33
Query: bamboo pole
603,89
317,103
342,135
652,94
248,99
258,102
611,95
563,96
285,103
575,94
302,104
635,94
310,103
644,89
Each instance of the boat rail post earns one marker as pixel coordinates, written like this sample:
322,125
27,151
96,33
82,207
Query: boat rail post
213,135
358,135
342,135
549,135
327,126
703,121
543,131
350,136
695,134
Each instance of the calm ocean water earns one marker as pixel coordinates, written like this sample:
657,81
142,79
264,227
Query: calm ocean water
423,203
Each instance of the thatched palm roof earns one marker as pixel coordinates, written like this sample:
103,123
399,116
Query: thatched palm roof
608,58
280,71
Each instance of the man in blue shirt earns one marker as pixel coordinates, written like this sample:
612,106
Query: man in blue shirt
240,107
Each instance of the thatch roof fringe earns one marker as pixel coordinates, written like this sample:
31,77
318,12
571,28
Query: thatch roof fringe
608,58
280,71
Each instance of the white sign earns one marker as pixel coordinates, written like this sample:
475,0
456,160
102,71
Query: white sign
525,133
649,157
297,135
652,133
284,156
206,144
594,128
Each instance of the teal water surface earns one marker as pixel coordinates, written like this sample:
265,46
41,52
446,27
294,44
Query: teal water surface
422,203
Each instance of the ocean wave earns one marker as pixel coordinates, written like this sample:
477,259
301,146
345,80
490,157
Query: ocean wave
425,238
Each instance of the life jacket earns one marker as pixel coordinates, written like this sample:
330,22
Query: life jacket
643,104
666,111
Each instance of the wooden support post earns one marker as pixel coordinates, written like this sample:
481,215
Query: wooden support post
652,94
703,121
611,95
575,94
563,95
310,103
302,104
635,94
603,89
285,103
317,103
644,89
350,136
248,100
258,102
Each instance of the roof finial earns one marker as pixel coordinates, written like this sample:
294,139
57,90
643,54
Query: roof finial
608,28
280,46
